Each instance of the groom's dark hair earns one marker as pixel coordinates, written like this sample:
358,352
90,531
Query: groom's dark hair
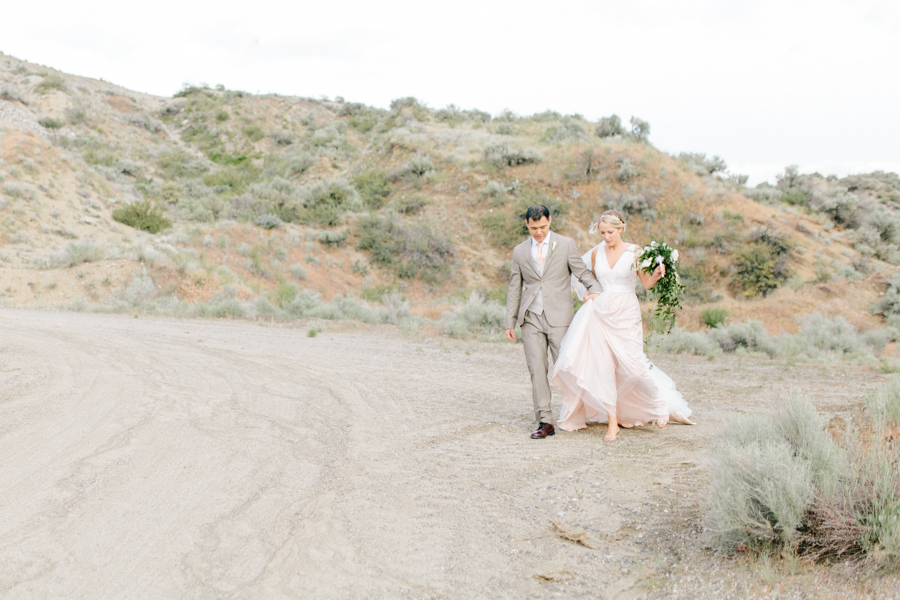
534,213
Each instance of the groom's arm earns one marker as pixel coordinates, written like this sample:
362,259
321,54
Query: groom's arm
513,298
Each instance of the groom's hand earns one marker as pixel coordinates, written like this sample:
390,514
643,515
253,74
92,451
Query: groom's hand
590,296
511,335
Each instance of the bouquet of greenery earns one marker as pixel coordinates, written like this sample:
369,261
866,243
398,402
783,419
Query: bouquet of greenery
669,288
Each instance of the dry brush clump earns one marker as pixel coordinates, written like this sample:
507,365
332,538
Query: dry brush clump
782,483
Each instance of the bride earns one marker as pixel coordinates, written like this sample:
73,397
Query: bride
602,370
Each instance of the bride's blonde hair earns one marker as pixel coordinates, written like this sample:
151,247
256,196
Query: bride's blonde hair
610,217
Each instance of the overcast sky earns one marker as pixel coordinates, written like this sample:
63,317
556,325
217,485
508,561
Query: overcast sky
763,84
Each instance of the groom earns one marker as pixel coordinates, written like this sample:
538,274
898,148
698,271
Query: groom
539,300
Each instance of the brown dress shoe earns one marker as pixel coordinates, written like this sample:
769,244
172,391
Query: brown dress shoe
543,430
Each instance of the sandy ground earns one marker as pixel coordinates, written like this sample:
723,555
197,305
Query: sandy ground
154,458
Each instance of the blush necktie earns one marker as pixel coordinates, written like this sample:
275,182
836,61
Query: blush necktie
540,257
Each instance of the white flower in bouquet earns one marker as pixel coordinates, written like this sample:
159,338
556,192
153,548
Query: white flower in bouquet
646,264
659,259
674,255
653,244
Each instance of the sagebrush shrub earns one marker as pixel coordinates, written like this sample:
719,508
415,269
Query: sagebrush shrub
755,270
640,129
610,126
500,155
374,187
569,128
477,316
144,215
749,335
412,251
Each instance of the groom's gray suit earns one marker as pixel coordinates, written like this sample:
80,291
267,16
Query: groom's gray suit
552,282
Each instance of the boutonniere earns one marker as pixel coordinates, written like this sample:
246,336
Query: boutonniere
552,247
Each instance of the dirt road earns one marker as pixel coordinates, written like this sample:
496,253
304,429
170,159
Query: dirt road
154,458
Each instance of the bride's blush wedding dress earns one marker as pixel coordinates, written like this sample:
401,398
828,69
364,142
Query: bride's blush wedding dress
602,369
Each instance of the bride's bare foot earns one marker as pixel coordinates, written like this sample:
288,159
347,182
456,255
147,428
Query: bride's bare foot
611,433
662,423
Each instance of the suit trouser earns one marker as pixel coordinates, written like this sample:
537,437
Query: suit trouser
537,336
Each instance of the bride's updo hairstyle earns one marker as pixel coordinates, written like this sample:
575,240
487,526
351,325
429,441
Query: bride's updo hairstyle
610,217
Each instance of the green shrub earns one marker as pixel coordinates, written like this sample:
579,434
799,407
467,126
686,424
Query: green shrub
504,230
268,221
412,251
283,138
640,129
50,122
750,335
333,238
374,187
176,164
254,133
714,316
325,202
82,251
10,94
626,171
144,215
477,316
501,156
610,126
51,82
679,341
569,129
754,270
766,476
701,165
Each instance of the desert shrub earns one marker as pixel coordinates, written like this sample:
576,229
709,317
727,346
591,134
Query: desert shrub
51,82
569,128
640,129
50,122
325,202
889,305
495,191
610,126
812,496
144,215
841,206
333,238
701,165
16,189
82,251
477,316
819,333
632,204
501,156
764,193
766,474
254,133
679,341
374,187
282,137
504,230
714,316
175,164
10,94
627,171
268,221
749,335
410,204
198,202
755,270
144,121
411,251
278,196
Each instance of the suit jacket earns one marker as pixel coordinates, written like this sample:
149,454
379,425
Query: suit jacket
555,284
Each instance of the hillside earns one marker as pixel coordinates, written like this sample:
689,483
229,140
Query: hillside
272,207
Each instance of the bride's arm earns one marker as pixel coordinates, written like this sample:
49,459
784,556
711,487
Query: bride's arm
579,288
648,280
